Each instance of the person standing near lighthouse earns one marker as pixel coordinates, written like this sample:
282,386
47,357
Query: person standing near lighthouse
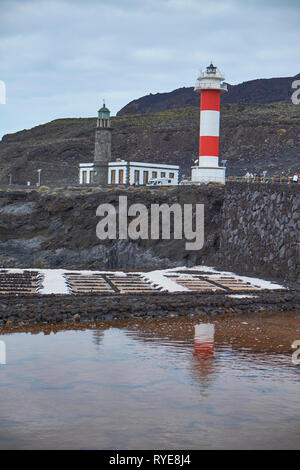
210,86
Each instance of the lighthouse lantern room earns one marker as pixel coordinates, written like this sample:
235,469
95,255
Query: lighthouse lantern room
210,85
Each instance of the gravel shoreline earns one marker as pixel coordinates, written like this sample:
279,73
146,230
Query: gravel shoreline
19,312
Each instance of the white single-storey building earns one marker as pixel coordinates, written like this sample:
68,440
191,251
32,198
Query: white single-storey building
123,172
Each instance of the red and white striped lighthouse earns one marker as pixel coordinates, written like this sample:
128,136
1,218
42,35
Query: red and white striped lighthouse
210,86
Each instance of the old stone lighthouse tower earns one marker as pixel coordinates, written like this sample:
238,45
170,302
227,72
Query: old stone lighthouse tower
102,155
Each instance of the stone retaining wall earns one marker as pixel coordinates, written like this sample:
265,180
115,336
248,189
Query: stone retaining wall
260,230
16,312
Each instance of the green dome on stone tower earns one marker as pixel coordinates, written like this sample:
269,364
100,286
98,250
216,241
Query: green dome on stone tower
104,112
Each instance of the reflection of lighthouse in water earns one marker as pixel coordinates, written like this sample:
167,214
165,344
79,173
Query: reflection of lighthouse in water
204,364
98,336
204,340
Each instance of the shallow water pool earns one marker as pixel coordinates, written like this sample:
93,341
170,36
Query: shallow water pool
145,386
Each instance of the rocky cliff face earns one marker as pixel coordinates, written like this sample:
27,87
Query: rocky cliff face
254,137
58,229
250,229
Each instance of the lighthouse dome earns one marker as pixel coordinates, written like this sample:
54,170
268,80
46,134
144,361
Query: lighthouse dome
211,78
104,112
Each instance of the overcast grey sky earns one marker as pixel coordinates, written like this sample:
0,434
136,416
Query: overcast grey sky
59,58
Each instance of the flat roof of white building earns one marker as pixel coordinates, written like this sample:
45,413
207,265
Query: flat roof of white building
141,164
85,165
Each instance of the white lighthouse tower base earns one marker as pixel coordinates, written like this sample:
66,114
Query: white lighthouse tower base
204,175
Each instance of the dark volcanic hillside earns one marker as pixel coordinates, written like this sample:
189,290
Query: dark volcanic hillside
253,136
254,91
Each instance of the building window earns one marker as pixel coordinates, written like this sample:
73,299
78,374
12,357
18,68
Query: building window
136,176
154,174
146,177
84,177
121,177
171,175
163,174
113,176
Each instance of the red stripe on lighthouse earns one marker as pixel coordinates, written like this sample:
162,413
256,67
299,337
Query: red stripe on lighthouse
210,100
209,146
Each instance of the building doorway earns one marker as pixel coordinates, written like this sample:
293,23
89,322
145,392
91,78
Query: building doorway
146,177
136,176
92,174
